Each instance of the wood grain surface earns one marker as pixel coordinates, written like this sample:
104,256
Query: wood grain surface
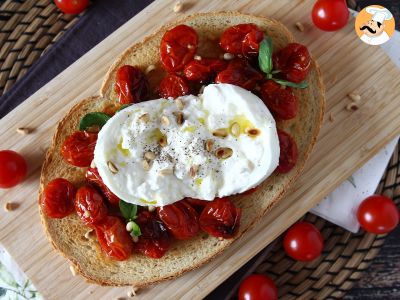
344,144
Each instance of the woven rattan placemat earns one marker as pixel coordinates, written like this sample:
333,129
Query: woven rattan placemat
28,28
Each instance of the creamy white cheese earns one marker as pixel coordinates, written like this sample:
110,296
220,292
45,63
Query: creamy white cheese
168,178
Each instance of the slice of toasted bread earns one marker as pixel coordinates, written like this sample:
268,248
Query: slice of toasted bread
67,235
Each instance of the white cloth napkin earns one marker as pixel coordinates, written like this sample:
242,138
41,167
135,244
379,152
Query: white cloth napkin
341,205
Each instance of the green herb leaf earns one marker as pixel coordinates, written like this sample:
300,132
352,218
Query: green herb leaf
123,107
94,118
301,85
135,230
352,181
265,55
128,210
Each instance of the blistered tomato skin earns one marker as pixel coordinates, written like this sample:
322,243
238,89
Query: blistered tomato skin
220,218
250,191
114,239
204,70
178,47
181,219
293,61
131,85
288,154
78,148
13,168
378,214
280,100
93,176
173,86
89,205
243,39
240,73
154,241
57,200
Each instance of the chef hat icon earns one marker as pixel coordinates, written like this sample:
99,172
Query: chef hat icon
379,14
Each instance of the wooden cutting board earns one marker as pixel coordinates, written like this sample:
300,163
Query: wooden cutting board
347,140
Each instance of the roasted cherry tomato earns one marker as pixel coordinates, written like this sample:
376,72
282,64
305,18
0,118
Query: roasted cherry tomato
178,47
250,191
293,61
173,86
303,242
13,168
280,100
114,239
72,6
204,70
154,241
289,154
258,287
93,176
240,73
378,214
131,85
242,39
78,148
89,205
58,198
197,204
220,218
330,15
180,218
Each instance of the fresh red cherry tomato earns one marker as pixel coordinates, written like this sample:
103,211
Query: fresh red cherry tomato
58,198
293,61
131,85
89,205
378,214
288,154
204,70
173,86
303,242
258,287
280,100
72,6
181,219
114,239
178,47
93,176
13,168
242,39
154,241
220,218
78,148
240,73
330,15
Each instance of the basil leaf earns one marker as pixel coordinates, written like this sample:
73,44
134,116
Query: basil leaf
123,107
301,85
128,210
136,230
94,118
265,55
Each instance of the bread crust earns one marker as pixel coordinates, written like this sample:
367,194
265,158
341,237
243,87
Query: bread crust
66,234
